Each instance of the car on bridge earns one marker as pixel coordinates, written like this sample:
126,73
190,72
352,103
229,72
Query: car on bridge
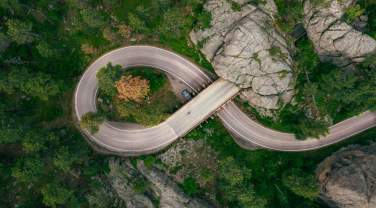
186,95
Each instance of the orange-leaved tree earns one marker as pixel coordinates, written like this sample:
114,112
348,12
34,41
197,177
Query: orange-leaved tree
131,88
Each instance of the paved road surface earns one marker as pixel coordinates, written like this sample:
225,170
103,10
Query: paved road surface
214,98
249,133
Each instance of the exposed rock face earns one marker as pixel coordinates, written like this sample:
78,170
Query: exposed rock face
139,187
104,196
334,40
244,48
190,156
169,194
122,177
348,178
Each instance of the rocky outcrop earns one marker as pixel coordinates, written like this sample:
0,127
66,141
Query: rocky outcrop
136,186
187,158
245,48
170,196
129,185
104,195
334,40
348,178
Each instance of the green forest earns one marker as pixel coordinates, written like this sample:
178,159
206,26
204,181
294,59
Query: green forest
45,46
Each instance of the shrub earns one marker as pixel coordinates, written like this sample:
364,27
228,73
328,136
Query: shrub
190,186
106,79
140,185
91,121
131,88
149,161
352,13
302,185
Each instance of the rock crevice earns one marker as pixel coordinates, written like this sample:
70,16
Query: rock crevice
137,186
334,40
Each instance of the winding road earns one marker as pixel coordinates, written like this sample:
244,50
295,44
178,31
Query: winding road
213,97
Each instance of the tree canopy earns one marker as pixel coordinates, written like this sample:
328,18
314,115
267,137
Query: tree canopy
91,121
301,184
131,88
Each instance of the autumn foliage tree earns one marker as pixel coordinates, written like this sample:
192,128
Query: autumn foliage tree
132,88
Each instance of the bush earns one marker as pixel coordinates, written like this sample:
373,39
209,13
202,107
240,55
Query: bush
290,13
140,185
91,121
107,76
175,24
203,19
190,186
149,161
131,88
20,32
156,79
304,185
235,6
136,23
352,13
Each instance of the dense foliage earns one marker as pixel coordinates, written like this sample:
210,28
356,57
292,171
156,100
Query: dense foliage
132,88
264,178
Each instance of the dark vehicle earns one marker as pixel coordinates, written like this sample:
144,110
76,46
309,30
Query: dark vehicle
186,94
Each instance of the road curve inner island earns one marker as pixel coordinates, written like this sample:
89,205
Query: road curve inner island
214,97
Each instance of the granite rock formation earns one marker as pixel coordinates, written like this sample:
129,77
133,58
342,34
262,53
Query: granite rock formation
130,186
348,178
334,40
245,48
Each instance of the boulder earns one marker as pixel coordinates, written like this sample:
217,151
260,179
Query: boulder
245,48
334,40
348,178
